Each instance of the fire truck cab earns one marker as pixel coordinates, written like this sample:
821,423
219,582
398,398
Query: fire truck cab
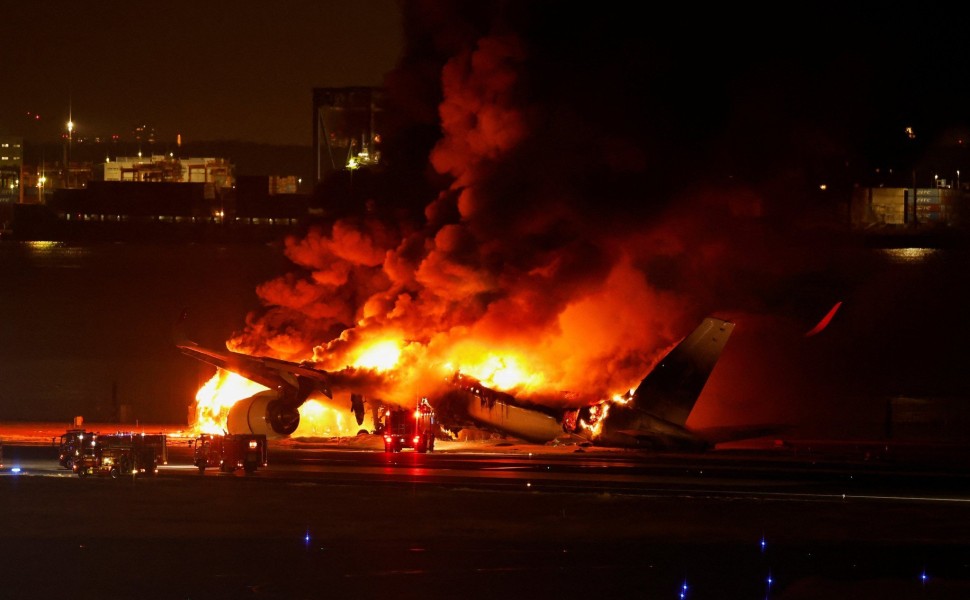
404,428
69,446
230,452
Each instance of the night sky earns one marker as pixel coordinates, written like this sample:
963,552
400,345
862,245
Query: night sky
208,70
712,88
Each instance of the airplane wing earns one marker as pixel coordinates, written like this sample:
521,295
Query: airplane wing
299,379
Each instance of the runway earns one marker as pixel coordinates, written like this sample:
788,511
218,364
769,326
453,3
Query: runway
333,519
499,465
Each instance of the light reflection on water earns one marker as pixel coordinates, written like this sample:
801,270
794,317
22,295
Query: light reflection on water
57,255
910,255
41,246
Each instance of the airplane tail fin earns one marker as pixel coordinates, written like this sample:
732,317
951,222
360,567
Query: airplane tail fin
670,390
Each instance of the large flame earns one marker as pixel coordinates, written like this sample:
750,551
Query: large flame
381,356
599,411
216,397
504,373
318,417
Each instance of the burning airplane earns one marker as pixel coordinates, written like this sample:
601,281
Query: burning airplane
521,258
654,415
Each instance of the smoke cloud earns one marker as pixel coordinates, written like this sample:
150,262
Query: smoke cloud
578,222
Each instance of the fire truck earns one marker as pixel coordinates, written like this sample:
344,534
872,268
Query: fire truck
114,460
230,452
74,442
404,428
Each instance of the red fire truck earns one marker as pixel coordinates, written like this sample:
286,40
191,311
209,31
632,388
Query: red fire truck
230,452
404,428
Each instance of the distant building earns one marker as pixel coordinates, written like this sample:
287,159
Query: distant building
927,419
217,171
884,207
283,184
346,128
11,165
163,198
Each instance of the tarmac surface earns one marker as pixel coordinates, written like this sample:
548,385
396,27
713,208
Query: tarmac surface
180,535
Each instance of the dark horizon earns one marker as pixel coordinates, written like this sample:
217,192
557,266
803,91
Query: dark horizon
717,95
241,71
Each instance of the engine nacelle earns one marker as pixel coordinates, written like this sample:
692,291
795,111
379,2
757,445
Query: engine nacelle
263,413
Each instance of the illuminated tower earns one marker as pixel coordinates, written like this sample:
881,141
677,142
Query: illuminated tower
346,128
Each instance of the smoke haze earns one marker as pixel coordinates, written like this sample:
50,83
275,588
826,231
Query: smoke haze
590,196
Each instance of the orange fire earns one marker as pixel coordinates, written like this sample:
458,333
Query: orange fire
599,411
216,397
225,388
503,373
408,366
381,356
319,419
